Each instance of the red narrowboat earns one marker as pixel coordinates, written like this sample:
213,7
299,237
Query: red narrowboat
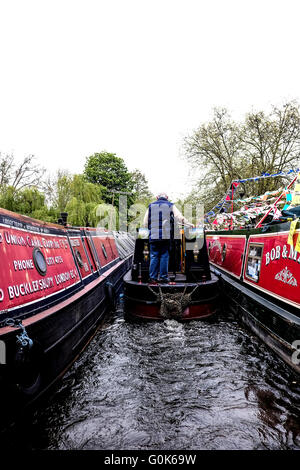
259,271
56,284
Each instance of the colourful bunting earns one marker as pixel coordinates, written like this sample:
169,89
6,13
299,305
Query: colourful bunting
236,183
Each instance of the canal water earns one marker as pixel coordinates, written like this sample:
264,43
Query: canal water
169,386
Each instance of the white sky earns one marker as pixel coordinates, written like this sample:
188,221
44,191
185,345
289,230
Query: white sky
133,77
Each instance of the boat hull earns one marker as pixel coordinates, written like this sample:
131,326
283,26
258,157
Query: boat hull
56,284
253,279
61,334
141,300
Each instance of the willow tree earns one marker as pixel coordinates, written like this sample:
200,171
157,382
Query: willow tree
75,195
27,201
85,197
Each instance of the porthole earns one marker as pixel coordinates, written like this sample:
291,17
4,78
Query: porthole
39,261
79,259
104,251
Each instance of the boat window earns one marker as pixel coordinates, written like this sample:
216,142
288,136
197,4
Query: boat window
79,258
104,251
39,261
254,261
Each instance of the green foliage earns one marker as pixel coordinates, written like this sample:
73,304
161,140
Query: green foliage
63,191
79,198
109,171
29,201
81,213
105,178
140,187
9,198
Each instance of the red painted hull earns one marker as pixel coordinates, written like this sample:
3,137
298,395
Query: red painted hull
59,282
141,301
139,310
277,270
260,275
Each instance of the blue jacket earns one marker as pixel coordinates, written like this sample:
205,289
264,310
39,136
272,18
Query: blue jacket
160,220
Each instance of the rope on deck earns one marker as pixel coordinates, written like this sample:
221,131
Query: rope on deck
173,305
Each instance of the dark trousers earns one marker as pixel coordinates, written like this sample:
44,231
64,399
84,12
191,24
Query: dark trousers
159,259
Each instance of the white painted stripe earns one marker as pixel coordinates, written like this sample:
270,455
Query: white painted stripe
226,236
270,235
40,299
284,299
33,231
227,271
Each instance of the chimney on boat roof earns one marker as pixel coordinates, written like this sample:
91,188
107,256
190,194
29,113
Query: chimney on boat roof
63,218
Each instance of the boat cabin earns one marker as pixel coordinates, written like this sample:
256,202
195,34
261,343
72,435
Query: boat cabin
188,260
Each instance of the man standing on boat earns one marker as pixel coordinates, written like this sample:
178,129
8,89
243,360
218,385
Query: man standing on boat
159,219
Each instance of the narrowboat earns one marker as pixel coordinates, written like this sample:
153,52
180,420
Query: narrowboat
192,292
259,271
56,284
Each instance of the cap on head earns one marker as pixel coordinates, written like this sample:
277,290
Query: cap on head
162,195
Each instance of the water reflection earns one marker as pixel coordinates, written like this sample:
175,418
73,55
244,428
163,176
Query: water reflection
199,385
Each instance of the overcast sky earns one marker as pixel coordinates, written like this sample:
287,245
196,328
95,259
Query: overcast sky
133,77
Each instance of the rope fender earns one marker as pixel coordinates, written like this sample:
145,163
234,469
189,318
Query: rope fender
173,305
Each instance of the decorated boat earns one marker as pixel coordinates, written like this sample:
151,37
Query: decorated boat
255,251
56,284
192,292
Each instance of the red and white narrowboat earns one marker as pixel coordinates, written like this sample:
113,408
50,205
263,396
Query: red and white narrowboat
56,283
259,270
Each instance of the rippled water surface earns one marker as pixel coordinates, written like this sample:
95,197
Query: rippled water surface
198,385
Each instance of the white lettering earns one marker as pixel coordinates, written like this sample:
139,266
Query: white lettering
1,295
293,253
272,254
29,288
267,258
284,251
12,239
10,292
277,252
23,264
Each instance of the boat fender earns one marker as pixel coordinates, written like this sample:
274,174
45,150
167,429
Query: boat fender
27,363
111,295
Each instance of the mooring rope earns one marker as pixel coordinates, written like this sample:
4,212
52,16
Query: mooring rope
173,305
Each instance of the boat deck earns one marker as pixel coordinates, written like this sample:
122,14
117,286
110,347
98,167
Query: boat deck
180,280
